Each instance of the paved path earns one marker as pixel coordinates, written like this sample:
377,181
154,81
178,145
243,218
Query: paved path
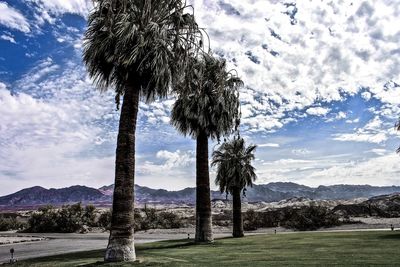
66,243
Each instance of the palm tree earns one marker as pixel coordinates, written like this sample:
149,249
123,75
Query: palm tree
234,174
140,48
208,109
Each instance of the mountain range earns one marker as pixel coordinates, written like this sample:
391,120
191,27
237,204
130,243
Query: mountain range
271,192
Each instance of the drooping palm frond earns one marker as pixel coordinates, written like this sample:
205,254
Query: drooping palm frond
208,99
233,161
143,42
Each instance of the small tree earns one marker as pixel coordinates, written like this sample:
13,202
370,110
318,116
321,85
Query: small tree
234,174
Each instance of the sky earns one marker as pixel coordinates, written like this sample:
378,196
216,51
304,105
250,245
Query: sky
321,95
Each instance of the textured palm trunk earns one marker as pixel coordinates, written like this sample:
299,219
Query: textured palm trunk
203,198
237,213
121,242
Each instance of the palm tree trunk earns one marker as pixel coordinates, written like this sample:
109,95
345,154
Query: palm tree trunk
237,213
121,242
203,199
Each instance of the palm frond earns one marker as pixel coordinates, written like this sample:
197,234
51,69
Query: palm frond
233,161
208,99
146,43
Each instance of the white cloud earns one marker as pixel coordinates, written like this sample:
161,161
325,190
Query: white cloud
382,170
175,159
301,152
12,18
79,7
322,52
353,121
362,137
318,111
9,38
366,95
54,124
269,145
373,132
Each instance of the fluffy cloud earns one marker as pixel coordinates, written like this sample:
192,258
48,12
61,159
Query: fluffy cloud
382,170
175,159
8,37
294,54
373,132
57,7
13,19
317,111
335,169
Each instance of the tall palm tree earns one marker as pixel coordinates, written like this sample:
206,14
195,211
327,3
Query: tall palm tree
234,174
208,109
140,48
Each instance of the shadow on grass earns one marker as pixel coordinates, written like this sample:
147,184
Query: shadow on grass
95,257
84,255
167,244
391,235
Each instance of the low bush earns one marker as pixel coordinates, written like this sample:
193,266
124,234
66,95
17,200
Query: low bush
67,219
9,223
311,218
302,218
146,219
222,219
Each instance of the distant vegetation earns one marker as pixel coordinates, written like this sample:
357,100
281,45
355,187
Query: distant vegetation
312,216
146,219
9,222
302,218
67,219
77,218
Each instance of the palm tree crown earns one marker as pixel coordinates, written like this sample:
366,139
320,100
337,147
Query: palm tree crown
208,100
145,42
233,161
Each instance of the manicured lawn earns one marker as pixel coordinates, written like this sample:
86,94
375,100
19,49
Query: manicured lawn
294,249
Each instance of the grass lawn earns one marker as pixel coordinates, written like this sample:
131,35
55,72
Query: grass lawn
294,249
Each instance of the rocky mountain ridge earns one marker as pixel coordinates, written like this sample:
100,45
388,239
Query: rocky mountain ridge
272,192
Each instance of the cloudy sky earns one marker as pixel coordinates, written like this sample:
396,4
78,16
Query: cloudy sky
321,95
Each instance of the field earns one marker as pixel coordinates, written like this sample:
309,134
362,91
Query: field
284,249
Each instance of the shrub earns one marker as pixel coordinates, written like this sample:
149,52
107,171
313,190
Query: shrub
67,219
105,220
252,220
222,219
146,219
303,218
9,223
168,220
311,218
90,216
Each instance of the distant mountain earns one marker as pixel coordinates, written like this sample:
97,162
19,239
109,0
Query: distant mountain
38,195
271,192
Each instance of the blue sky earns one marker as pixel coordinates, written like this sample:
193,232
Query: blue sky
321,95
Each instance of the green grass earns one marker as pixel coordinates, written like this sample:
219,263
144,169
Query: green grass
297,249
